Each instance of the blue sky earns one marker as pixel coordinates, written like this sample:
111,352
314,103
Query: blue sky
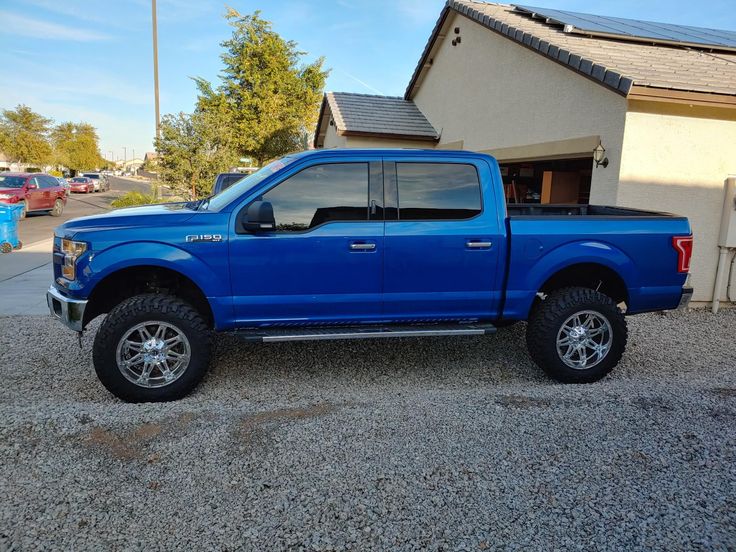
91,59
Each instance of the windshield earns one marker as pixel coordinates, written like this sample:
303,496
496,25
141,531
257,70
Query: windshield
79,179
11,181
92,175
217,202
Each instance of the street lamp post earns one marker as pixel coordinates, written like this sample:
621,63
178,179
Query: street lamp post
155,64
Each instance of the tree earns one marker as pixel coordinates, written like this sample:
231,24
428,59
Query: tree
76,146
24,135
191,154
266,100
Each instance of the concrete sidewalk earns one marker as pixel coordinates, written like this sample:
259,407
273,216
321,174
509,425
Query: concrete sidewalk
25,276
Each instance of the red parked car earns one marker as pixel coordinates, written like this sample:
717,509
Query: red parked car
82,184
35,191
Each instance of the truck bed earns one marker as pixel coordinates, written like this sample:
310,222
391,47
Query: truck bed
633,243
601,211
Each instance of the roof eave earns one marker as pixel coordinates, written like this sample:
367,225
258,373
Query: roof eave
395,136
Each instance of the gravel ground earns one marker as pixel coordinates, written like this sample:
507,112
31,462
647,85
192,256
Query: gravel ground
455,444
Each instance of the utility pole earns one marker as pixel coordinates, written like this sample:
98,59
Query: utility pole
155,65
125,157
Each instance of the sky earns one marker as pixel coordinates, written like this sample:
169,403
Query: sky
91,60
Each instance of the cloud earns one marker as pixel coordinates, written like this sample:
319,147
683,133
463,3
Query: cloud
362,83
33,28
418,12
83,11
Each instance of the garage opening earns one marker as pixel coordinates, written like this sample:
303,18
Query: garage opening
550,181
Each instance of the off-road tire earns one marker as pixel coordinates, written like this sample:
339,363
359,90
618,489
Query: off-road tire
58,208
549,315
142,308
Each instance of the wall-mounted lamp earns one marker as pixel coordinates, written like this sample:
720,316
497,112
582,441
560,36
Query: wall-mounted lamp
599,156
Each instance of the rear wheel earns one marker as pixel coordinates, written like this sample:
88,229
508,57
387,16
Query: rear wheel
576,335
152,348
58,208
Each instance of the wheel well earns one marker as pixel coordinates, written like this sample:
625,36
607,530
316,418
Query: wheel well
589,275
125,283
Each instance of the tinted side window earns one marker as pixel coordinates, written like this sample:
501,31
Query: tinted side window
320,194
48,182
437,191
228,181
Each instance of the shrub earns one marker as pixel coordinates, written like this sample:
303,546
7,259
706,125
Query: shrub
132,199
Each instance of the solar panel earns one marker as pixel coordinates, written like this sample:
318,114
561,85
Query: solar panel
633,29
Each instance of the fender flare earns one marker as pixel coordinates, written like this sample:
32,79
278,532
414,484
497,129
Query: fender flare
133,254
564,256
584,252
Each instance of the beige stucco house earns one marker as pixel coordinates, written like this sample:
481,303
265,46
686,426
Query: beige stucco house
502,80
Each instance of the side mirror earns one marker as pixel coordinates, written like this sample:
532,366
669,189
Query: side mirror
259,217
32,185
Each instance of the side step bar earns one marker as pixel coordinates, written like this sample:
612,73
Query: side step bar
271,335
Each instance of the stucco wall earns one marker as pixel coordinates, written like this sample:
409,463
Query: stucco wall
333,140
493,93
675,158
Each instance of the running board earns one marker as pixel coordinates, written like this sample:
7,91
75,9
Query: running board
271,335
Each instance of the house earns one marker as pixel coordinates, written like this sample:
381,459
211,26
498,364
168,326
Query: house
576,108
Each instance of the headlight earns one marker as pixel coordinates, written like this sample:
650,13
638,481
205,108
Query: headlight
72,251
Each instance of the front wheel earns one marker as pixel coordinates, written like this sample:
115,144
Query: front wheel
24,209
576,335
152,348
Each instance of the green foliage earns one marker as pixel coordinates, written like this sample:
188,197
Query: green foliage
27,137
24,135
267,99
76,146
133,199
191,154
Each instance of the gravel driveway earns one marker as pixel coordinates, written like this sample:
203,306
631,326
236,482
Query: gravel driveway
454,444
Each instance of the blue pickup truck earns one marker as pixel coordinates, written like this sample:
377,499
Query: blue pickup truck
345,244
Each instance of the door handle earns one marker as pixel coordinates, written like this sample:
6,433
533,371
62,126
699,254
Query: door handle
362,246
478,244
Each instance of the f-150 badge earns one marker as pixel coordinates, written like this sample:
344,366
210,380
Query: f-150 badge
204,238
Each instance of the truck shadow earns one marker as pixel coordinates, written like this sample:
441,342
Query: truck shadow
443,361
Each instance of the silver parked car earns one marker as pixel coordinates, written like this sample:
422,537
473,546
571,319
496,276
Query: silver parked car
100,181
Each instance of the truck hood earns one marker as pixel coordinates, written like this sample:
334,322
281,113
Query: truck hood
166,214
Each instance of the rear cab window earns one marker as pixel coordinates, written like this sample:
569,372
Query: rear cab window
437,191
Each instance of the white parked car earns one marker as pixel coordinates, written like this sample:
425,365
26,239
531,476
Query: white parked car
100,182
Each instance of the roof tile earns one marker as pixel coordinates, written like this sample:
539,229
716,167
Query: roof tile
386,115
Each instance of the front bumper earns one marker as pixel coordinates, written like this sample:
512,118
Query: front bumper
687,294
69,311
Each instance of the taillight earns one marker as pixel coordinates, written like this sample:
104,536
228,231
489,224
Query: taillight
684,247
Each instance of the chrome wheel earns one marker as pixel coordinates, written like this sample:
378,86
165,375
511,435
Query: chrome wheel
584,339
153,354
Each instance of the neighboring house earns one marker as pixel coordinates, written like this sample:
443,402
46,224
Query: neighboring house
131,165
540,94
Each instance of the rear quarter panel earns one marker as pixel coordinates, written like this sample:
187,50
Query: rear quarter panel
638,249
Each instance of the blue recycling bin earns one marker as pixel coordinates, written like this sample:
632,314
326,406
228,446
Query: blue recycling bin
9,217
